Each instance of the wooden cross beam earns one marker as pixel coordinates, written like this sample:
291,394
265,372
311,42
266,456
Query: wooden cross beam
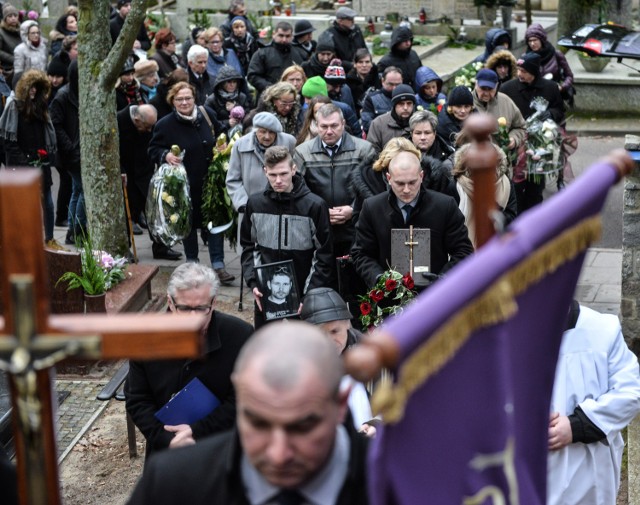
32,341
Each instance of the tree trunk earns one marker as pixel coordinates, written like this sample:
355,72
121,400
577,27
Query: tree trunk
99,67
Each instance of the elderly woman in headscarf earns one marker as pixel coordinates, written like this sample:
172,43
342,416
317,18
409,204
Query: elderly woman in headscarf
29,137
504,190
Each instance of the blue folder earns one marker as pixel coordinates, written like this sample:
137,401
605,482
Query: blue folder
189,405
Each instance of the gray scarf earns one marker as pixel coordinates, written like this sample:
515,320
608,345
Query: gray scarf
9,126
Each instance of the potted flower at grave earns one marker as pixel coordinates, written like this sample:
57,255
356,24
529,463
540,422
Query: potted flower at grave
594,64
98,274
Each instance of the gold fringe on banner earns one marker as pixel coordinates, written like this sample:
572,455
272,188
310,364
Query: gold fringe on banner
495,305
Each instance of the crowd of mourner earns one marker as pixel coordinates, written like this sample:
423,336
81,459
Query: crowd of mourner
315,152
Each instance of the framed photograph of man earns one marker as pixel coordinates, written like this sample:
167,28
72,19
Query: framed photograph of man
280,292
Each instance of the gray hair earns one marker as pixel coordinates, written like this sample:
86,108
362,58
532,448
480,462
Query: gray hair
283,352
196,50
328,109
192,275
423,116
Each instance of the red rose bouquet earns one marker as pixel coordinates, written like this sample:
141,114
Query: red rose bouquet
388,297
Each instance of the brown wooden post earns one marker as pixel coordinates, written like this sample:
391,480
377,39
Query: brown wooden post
35,341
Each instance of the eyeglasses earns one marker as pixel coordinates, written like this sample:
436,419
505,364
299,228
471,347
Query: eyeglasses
215,42
183,100
34,33
286,104
201,309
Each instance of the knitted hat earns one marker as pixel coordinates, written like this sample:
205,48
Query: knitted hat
530,62
122,3
145,67
325,43
239,18
401,93
57,67
314,87
323,305
8,9
487,78
334,74
267,121
460,95
345,13
302,27
536,30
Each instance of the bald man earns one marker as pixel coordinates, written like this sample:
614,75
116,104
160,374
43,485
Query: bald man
406,203
289,446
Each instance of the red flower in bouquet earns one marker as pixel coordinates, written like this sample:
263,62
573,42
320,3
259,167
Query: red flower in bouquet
42,153
407,280
376,295
365,308
390,284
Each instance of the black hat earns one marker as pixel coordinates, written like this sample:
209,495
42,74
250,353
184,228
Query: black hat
301,27
323,305
129,64
403,92
460,95
57,67
122,3
530,62
325,43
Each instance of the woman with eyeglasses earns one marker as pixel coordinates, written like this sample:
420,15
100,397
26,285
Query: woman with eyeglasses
187,127
362,77
32,52
281,99
165,56
219,56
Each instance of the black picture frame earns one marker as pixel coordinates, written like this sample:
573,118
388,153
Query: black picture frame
271,308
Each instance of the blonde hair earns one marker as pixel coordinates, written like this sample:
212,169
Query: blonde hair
394,147
292,70
277,90
211,32
460,162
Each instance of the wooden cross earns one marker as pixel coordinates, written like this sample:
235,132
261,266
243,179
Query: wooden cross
35,340
411,243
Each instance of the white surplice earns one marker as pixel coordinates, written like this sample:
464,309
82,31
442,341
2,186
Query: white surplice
597,371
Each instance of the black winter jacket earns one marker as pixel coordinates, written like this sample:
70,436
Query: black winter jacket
288,226
209,472
268,63
346,42
375,104
407,61
371,251
522,94
66,121
151,384
197,140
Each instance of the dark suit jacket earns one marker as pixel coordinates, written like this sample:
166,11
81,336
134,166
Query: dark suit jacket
209,473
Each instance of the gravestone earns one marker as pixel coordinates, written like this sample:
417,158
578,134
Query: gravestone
434,9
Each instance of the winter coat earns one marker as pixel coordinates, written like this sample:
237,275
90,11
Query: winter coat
57,35
288,226
312,67
522,94
268,63
160,101
218,102
245,175
407,61
346,42
9,40
423,76
115,27
330,177
227,29
210,472
384,128
167,63
197,140
490,42
371,251
503,57
448,126
502,106
26,55
134,158
552,61
151,384
66,121
203,85
344,96
359,87
217,61
307,51
375,104
244,49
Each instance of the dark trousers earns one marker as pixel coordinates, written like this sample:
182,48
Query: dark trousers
529,193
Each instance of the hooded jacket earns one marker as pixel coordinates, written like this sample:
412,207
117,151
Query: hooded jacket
408,60
219,98
26,55
423,76
552,61
57,35
491,41
288,226
502,57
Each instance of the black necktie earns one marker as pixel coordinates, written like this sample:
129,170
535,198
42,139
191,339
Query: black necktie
289,497
329,151
407,211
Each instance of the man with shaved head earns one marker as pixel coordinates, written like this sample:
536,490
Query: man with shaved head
289,446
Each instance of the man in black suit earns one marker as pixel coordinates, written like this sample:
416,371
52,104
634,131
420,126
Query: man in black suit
289,445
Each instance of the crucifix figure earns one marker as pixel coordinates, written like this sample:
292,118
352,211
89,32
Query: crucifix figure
411,243
411,251
32,341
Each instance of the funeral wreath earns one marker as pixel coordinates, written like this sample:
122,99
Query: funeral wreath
388,297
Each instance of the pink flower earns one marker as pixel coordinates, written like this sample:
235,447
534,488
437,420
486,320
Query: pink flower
33,15
237,113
